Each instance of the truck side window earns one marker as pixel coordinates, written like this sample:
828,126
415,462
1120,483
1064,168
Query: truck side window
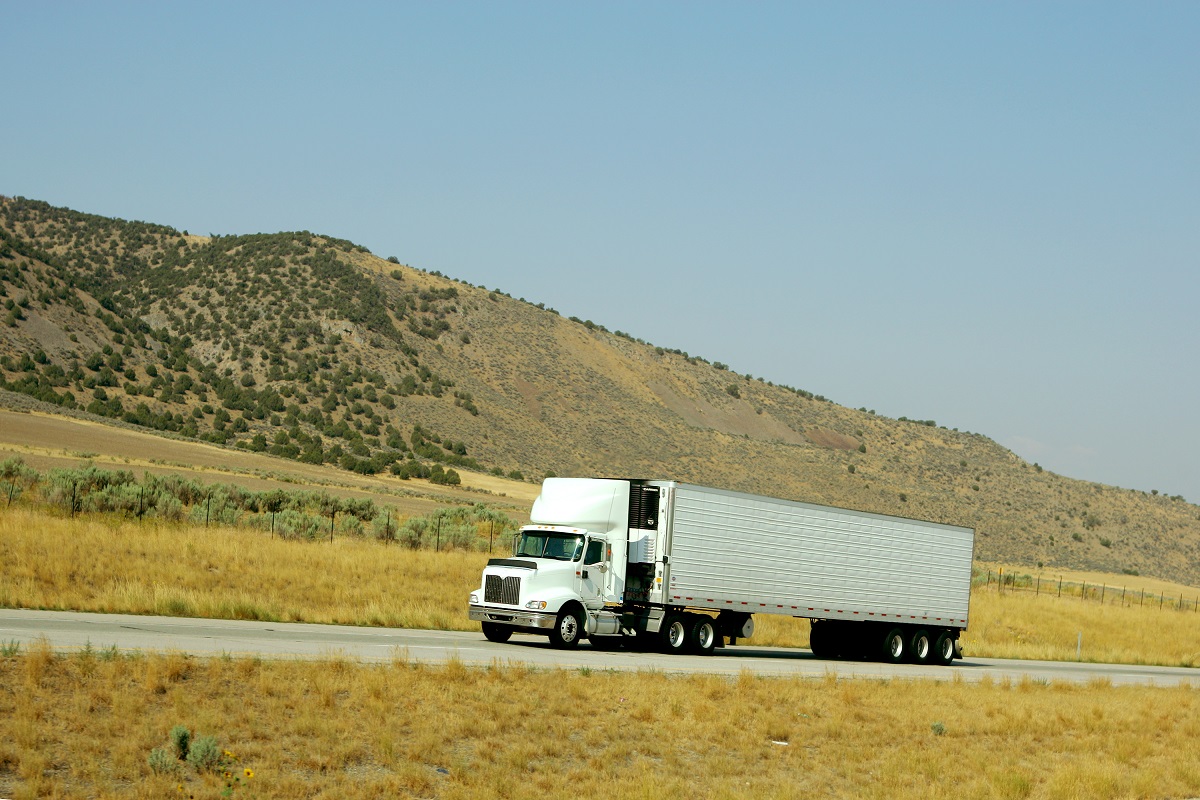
595,553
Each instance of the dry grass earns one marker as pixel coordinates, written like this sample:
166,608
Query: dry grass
104,565
1020,625
83,726
101,564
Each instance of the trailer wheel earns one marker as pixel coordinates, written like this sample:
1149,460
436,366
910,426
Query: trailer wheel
673,635
820,640
943,649
921,647
702,637
567,629
895,646
497,633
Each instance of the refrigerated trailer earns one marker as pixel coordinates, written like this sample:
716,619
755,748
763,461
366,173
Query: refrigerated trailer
684,568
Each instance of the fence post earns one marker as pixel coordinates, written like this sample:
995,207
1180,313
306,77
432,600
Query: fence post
1103,588
1160,600
438,549
1083,593
1038,590
491,533
1122,597
1060,585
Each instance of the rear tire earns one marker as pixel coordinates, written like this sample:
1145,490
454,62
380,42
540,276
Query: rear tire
673,635
895,646
497,633
702,635
820,640
943,649
567,630
920,647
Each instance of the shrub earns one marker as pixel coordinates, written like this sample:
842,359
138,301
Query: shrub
181,738
162,762
204,754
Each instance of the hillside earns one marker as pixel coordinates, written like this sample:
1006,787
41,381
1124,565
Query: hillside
311,348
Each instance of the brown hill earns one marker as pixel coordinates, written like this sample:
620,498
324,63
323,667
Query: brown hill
311,348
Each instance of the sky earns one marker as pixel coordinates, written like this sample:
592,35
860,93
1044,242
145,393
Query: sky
984,214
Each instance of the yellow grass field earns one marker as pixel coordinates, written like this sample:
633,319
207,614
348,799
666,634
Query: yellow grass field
104,564
85,725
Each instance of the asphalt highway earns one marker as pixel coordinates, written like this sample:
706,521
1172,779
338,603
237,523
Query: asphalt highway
68,630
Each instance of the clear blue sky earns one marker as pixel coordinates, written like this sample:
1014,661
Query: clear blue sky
982,214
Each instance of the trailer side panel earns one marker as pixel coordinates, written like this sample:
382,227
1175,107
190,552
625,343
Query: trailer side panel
744,552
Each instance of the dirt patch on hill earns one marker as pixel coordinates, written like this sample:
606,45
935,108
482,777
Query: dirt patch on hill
740,419
831,439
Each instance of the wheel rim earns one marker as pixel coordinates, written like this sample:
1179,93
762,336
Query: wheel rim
896,646
706,635
676,635
569,628
947,651
923,648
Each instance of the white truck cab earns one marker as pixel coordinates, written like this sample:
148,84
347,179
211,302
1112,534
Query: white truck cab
567,566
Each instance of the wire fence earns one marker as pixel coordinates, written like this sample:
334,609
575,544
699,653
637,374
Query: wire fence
1103,593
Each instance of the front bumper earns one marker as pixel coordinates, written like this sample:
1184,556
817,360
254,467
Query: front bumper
518,618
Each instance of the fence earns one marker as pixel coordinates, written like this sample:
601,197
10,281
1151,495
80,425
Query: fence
1059,588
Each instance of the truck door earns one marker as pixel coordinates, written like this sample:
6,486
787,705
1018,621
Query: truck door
592,574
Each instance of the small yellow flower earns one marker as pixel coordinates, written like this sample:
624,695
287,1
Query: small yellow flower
249,772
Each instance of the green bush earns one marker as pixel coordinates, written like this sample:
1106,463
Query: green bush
181,739
162,762
204,754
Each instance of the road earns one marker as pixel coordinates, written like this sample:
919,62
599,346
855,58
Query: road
67,630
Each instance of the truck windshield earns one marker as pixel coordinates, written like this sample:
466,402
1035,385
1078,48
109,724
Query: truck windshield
544,544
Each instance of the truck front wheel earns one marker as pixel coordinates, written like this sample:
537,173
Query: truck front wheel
497,633
567,630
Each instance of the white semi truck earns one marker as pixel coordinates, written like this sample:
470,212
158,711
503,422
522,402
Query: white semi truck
683,568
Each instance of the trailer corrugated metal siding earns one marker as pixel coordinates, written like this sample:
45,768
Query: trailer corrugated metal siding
762,555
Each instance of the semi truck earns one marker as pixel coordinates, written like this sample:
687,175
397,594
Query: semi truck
684,568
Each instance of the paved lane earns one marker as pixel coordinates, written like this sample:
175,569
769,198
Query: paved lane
74,630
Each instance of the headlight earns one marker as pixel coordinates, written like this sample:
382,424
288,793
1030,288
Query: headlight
474,598
536,605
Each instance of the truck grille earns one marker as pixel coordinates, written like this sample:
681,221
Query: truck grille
502,590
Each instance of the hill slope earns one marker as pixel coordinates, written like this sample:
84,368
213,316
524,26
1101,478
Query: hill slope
310,347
